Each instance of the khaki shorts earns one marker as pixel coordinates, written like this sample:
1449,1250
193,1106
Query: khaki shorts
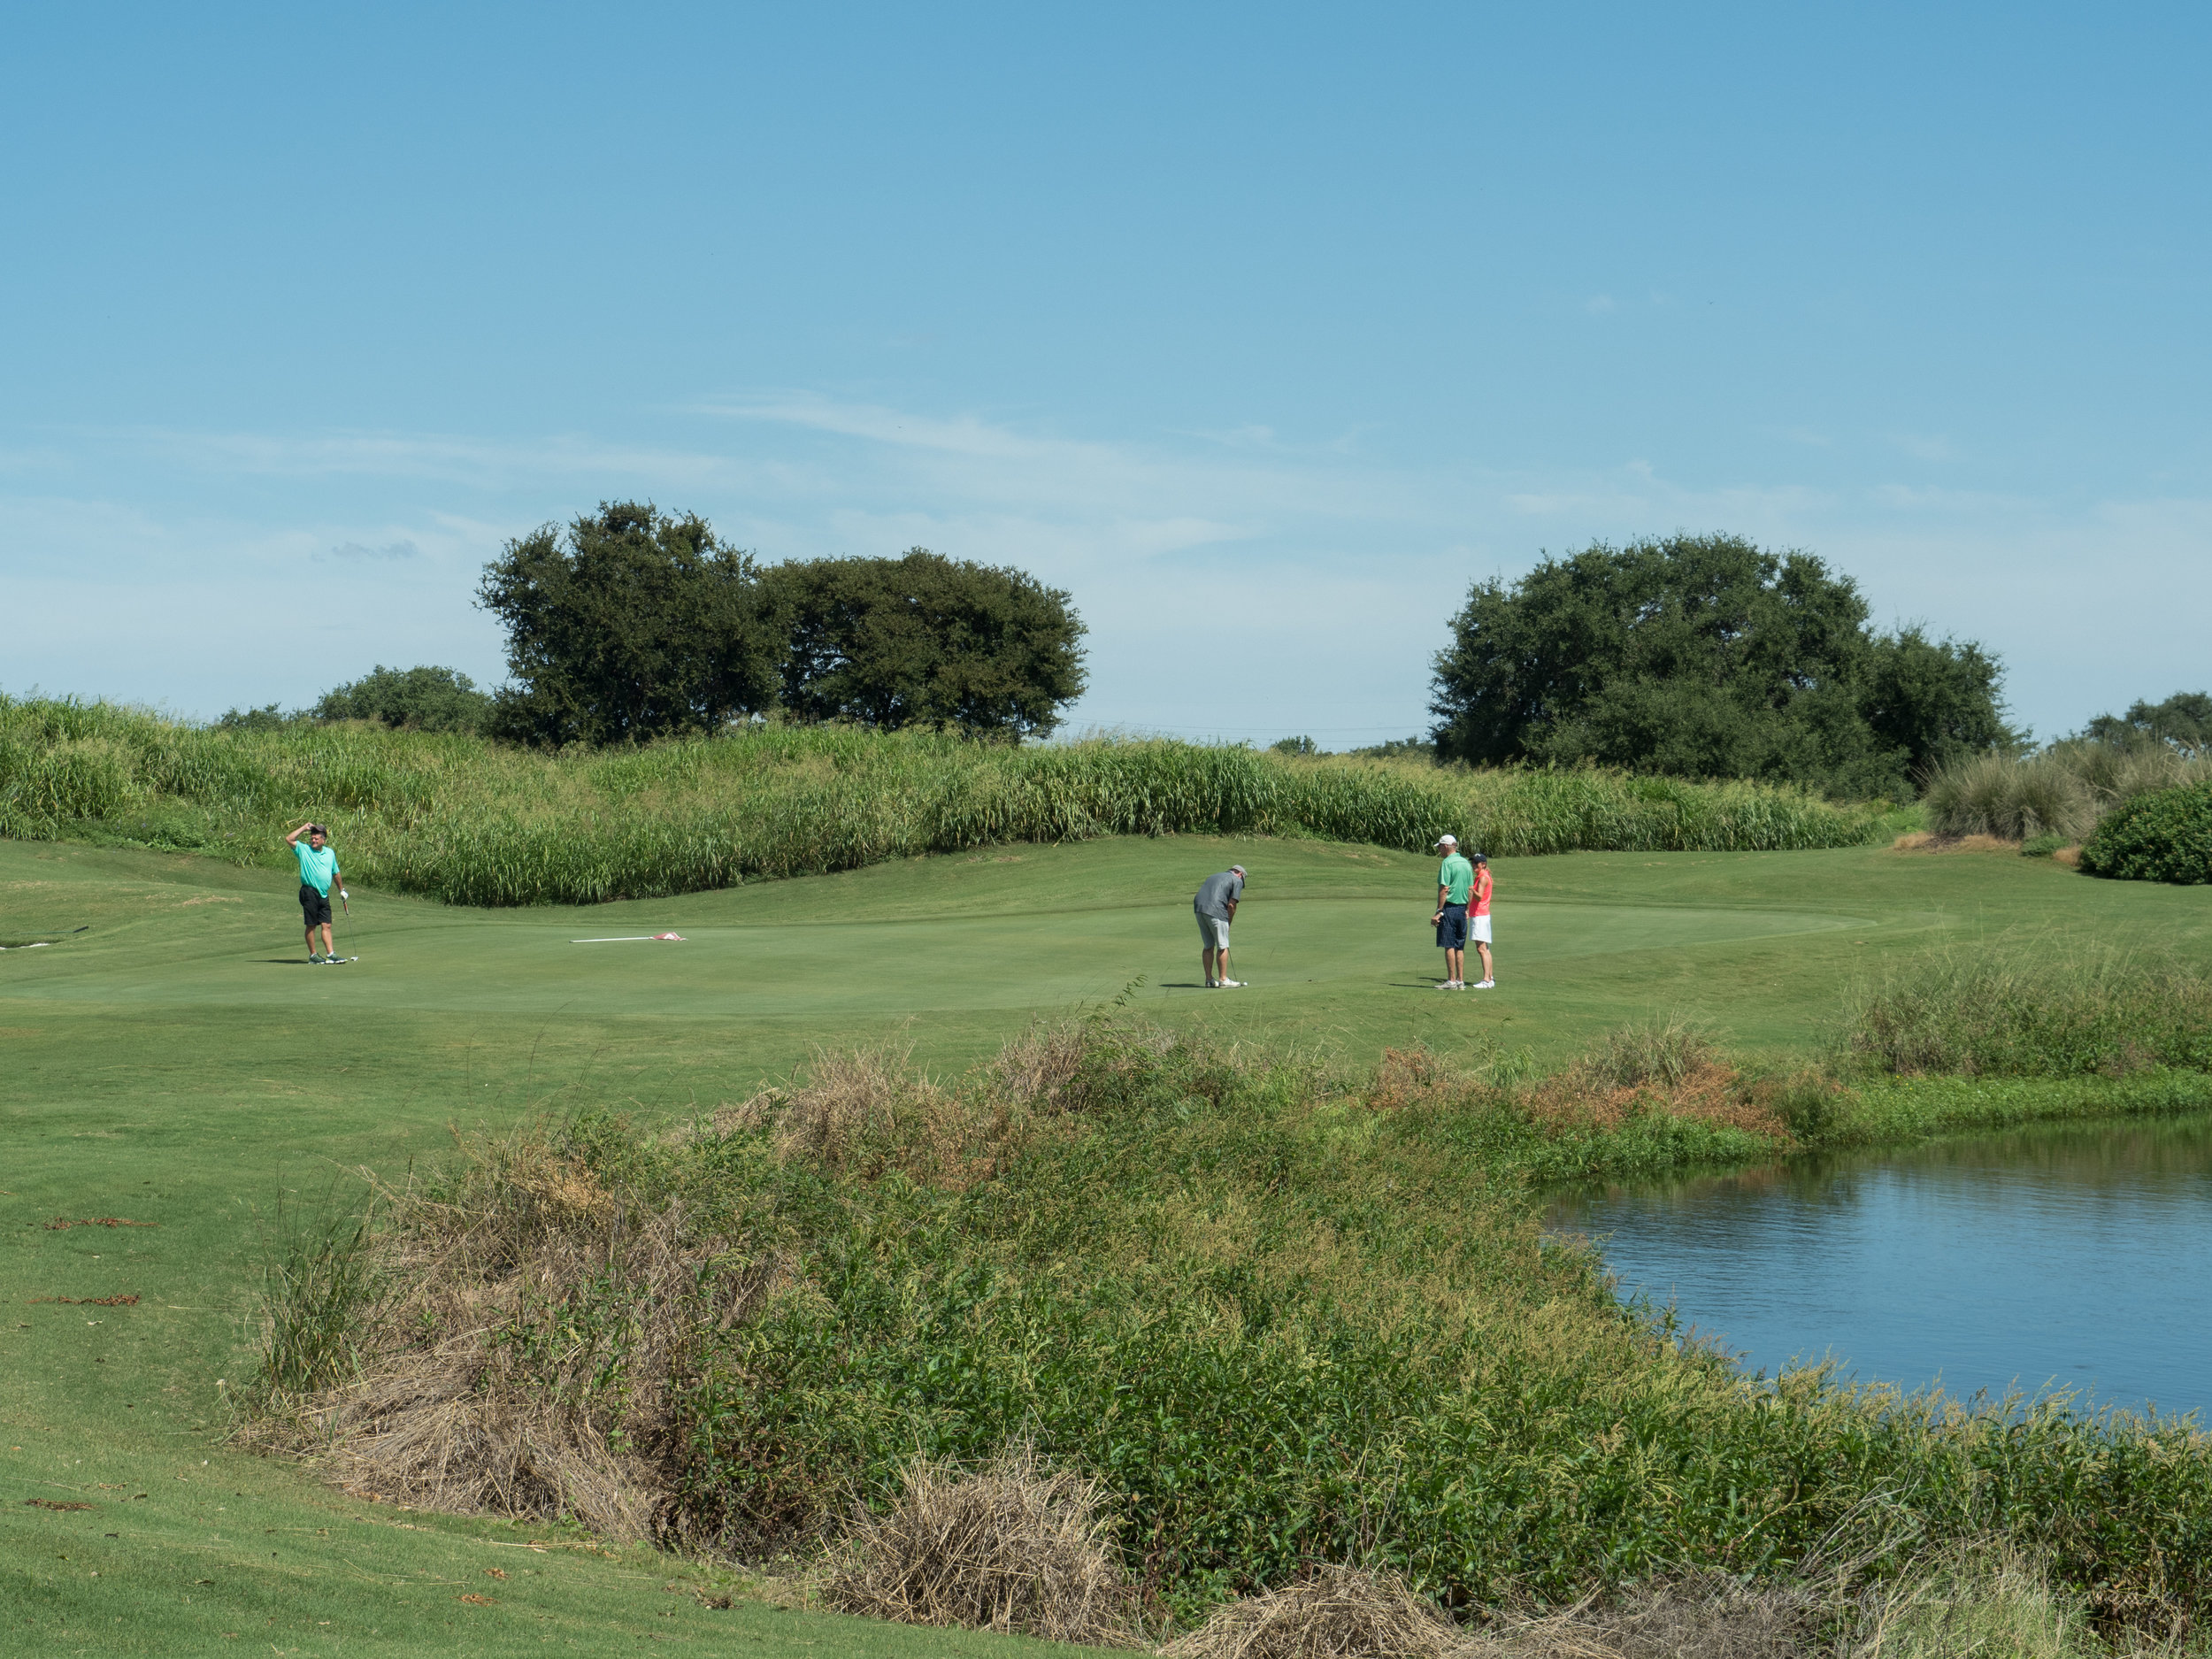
1213,933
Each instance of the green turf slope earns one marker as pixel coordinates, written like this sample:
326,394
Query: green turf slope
178,1064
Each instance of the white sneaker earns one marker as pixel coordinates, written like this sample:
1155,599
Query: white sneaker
1232,985
1447,985
1487,985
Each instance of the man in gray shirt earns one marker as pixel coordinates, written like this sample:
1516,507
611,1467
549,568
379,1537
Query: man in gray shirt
1217,906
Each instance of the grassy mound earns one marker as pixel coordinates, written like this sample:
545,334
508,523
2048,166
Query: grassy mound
471,822
2161,837
1281,1320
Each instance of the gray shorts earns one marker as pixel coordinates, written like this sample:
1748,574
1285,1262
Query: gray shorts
1213,931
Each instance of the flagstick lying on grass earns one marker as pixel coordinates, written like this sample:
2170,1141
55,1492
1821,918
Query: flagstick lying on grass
628,939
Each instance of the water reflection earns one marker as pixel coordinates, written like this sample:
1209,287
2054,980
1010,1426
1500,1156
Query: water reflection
2080,1257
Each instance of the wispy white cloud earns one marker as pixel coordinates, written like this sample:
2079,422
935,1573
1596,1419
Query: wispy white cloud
1233,580
1925,446
353,552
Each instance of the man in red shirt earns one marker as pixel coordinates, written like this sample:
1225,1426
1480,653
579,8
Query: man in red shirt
1479,920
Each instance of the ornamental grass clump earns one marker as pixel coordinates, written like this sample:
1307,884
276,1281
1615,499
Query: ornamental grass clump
2062,791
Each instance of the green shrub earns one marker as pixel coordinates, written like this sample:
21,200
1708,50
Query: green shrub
427,699
2161,837
474,822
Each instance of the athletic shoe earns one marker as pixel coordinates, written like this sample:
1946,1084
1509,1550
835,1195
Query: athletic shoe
1232,985
334,962
315,958
1487,985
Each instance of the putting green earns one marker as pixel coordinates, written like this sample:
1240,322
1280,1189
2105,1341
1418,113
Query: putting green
179,1065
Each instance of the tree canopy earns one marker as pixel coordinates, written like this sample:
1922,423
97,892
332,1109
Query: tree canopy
1706,657
634,624
923,640
2183,721
427,699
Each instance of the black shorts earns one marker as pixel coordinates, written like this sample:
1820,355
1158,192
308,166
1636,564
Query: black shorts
314,906
1451,928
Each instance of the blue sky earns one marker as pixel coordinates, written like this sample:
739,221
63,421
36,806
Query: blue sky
1262,330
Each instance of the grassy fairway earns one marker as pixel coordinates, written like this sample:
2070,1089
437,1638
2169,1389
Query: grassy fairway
179,1065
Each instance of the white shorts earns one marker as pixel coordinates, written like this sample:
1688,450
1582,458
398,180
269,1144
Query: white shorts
1478,928
1213,933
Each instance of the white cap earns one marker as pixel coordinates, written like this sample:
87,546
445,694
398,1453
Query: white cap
1447,840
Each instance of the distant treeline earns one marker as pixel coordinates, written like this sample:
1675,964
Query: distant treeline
471,821
633,624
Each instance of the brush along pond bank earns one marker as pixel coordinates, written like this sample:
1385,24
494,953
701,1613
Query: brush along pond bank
471,822
1283,1318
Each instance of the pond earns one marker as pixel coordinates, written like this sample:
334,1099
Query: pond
2075,1256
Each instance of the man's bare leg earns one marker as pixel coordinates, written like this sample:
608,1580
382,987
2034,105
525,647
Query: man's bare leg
1221,959
1206,961
311,938
327,949
1455,965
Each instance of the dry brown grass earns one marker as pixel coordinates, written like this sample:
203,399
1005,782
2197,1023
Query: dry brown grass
1921,842
1414,1076
1668,1066
478,1390
1038,1070
869,1112
1337,1613
1012,1547
1705,1616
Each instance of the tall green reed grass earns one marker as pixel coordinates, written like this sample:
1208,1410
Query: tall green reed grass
2031,1007
471,822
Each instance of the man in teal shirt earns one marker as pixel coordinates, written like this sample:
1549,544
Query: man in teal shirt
319,868
1455,881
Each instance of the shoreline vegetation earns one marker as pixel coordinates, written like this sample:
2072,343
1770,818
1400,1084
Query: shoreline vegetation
1256,1316
469,821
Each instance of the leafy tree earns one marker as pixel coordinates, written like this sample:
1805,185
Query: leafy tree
267,718
923,640
1399,748
2183,721
1704,656
425,699
1934,701
1295,745
634,624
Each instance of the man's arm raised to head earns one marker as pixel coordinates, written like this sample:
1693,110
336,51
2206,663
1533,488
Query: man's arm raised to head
292,839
